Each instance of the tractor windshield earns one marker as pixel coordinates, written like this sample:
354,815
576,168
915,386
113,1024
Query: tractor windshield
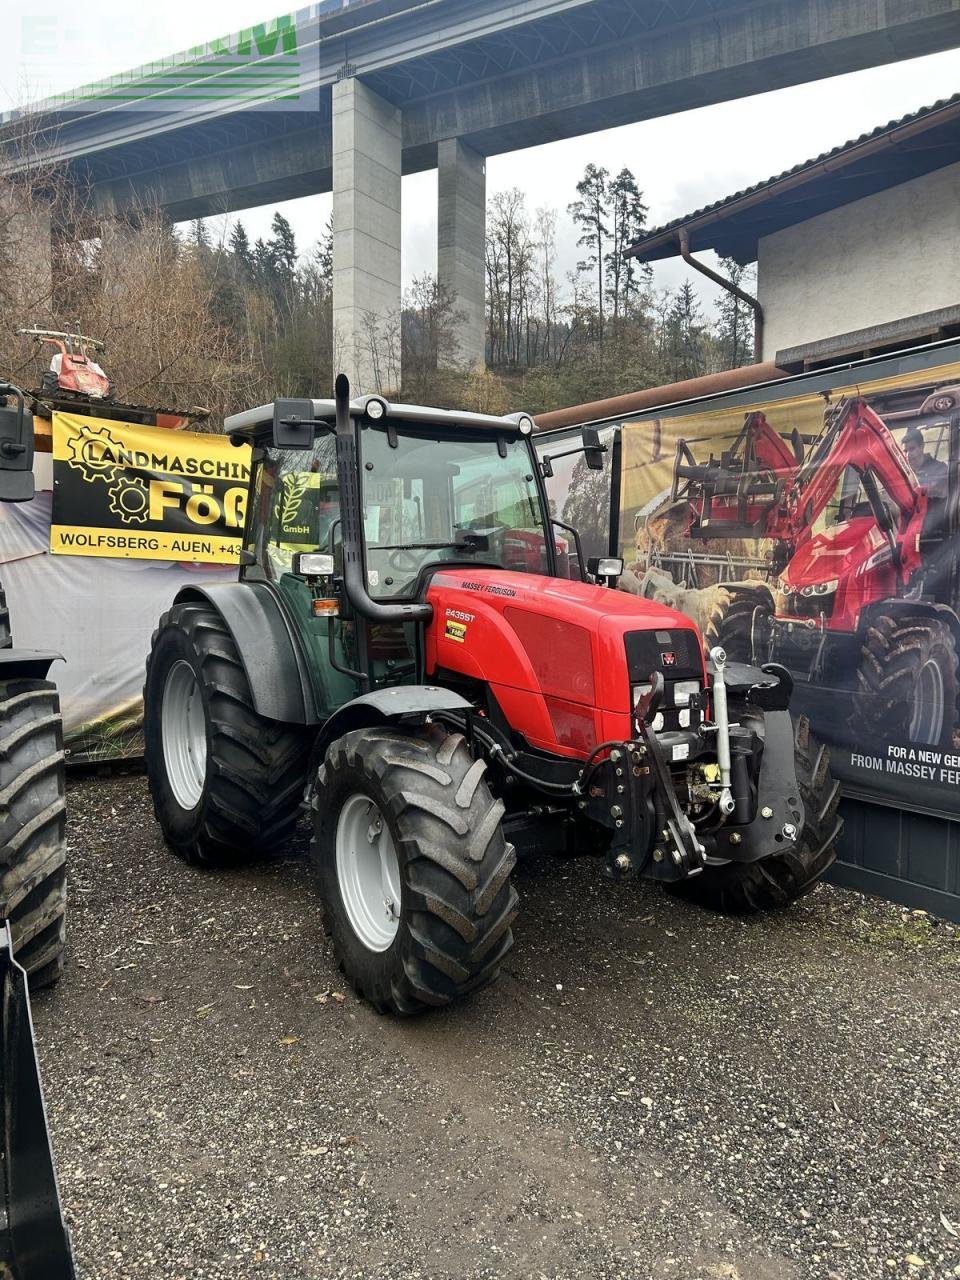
456,497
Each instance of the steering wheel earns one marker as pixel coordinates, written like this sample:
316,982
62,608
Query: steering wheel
397,558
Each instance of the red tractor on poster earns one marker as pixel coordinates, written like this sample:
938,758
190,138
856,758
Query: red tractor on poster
863,587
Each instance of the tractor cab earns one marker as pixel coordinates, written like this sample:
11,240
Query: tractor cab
433,488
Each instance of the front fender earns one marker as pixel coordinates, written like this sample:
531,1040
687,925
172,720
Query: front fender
408,703
270,650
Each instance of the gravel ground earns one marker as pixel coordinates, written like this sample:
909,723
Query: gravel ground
650,1091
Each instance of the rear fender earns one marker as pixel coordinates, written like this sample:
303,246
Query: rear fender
269,648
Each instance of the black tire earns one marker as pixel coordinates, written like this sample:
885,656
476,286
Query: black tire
745,887
6,635
255,769
896,653
457,902
33,850
734,626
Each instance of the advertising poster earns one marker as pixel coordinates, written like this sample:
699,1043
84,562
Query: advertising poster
146,493
820,532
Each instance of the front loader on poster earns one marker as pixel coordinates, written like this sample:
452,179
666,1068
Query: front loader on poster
864,580
439,699
33,1239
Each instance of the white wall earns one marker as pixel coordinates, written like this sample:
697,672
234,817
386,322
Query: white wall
891,255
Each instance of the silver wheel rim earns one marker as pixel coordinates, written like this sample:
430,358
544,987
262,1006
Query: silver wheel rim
926,722
368,873
183,729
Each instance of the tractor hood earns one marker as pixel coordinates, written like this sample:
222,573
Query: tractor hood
834,554
561,658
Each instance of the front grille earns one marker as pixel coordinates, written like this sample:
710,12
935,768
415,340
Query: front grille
675,653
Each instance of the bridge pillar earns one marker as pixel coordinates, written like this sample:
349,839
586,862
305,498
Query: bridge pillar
461,231
366,237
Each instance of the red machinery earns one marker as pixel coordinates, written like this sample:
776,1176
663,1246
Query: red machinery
863,583
75,382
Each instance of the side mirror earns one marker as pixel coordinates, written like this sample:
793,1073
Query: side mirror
16,448
293,424
593,450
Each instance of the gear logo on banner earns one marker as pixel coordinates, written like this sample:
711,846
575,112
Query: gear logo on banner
130,500
94,452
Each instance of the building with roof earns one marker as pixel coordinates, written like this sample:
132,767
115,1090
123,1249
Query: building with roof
857,250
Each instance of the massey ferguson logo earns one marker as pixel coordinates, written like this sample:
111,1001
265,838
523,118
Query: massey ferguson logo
668,658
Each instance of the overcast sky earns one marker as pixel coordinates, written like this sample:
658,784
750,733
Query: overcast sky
681,161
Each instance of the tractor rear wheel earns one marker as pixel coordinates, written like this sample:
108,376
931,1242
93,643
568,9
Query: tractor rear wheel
744,887
33,850
226,782
412,866
907,685
740,626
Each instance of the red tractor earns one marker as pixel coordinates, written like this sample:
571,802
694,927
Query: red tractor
863,592
440,697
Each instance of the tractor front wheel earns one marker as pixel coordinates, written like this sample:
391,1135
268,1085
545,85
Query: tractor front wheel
907,685
412,867
226,782
745,887
742,624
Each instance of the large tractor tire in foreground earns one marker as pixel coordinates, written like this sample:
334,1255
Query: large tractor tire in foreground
33,851
738,625
744,887
907,683
412,866
226,783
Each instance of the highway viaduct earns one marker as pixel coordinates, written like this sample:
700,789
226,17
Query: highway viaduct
349,95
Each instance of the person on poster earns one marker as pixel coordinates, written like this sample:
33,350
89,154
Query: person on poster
931,473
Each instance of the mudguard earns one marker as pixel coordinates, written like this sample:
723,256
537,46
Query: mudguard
269,648
408,702
27,664
34,1244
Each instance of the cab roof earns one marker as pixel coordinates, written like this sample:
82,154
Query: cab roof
519,424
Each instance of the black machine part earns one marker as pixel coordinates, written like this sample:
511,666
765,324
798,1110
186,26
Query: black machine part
34,1244
16,447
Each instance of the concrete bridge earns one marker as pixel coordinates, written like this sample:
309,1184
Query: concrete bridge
349,95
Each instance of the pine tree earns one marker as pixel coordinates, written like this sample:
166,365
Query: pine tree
628,217
283,248
239,243
263,265
735,324
590,213
685,335
199,235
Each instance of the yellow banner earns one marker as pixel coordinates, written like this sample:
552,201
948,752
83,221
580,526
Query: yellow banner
146,492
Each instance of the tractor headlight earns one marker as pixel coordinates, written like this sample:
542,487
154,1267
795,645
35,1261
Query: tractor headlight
821,588
683,691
